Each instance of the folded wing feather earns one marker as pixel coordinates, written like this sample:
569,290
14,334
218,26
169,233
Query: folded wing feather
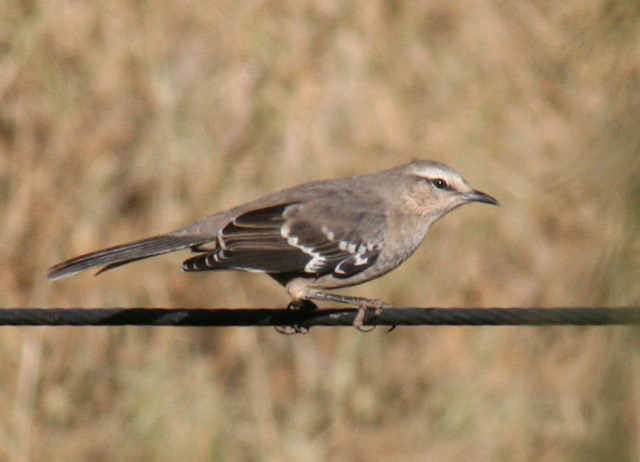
282,239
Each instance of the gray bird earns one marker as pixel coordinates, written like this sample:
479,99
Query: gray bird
312,237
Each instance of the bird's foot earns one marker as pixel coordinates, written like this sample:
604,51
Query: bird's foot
363,305
304,305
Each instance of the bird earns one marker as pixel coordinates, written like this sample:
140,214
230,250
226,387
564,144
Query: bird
314,237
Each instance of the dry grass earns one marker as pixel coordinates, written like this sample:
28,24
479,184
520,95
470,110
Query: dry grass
122,119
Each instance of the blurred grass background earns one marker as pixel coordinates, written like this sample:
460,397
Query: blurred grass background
124,119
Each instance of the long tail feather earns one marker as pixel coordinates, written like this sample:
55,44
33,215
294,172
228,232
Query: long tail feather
113,257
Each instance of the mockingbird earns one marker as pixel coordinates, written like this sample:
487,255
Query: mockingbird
312,237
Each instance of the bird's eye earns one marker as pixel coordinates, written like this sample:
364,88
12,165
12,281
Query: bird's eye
440,183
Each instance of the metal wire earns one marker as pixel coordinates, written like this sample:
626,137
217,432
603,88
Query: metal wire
570,316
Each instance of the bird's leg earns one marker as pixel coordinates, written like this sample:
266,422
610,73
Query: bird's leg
305,305
363,304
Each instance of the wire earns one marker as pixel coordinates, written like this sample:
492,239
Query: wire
182,317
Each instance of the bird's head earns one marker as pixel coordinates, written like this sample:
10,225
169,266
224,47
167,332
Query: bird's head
434,189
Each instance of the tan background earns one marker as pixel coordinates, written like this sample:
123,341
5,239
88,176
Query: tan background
123,119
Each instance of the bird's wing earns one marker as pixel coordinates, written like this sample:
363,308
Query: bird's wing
314,238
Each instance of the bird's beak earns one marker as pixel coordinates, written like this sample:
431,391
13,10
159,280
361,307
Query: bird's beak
479,196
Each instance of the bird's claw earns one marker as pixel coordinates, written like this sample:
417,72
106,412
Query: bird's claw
302,305
291,330
363,306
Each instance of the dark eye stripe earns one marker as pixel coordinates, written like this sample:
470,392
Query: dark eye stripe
440,183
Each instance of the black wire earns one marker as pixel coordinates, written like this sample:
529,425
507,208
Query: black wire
570,316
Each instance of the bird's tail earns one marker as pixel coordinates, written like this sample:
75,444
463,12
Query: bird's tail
113,257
